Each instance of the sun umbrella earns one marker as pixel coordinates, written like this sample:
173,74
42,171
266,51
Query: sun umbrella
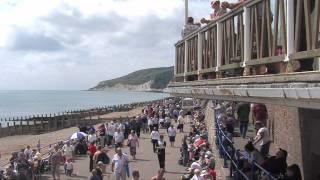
78,135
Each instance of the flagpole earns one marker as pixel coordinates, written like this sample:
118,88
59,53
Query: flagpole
186,11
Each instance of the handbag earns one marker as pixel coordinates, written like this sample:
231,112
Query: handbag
129,143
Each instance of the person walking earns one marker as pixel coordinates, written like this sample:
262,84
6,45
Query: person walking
172,135
243,117
155,136
161,151
56,158
156,121
150,123
180,122
119,163
91,150
104,159
133,143
118,138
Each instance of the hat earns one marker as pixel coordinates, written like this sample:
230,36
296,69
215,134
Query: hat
285,153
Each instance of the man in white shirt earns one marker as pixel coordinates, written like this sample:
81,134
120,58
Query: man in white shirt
28,152
262,137
92,137
110,132
118,138
119,163
155,136
172,135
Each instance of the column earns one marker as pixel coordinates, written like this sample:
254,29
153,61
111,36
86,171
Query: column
246,43
199,53
290,29
185,60
219,45
247,49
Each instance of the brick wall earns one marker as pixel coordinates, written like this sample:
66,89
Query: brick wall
285,131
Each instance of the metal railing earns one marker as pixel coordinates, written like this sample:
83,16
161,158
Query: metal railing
227,151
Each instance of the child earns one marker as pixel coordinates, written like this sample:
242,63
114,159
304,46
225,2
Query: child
68,167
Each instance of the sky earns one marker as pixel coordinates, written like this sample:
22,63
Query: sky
74,44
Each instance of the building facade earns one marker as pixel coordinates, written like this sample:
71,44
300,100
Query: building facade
264,51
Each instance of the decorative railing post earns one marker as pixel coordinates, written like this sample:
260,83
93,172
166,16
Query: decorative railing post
290,29
185,60
219,48
247,46
199,54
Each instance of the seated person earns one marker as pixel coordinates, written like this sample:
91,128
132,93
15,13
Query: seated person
277,164
190,27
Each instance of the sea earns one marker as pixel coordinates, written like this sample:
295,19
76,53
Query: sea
18,103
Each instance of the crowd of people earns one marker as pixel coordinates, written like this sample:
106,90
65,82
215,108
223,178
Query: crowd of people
196,152
229,116
218,9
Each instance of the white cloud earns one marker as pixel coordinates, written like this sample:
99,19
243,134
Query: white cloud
67,44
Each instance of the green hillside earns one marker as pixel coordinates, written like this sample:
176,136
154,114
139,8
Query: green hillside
159,76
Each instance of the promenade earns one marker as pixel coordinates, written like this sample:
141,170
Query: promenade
146,163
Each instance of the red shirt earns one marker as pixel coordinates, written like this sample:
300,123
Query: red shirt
92,149
213,174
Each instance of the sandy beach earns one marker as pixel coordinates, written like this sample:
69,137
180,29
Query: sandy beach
15,143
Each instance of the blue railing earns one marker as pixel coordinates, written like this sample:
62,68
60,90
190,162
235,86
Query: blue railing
227,152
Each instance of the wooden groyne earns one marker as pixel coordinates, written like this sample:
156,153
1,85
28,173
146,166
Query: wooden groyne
51,122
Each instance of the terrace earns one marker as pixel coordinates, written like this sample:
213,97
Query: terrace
264,49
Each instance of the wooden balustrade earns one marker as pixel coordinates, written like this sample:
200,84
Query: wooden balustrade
180,56
261,36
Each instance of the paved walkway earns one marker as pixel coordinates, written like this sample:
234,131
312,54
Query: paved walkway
146,163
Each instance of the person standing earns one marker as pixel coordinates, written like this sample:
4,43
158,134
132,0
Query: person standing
155,136
150,123
119,163
28,152
91,150
92,137
180,122
102,134
172,135
262,137
118,138
243,117
156,121
68,150
111,131
133,143
56,159
161,151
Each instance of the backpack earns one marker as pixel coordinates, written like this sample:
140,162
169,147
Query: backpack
103,158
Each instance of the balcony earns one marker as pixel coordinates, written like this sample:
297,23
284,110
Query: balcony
264,49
